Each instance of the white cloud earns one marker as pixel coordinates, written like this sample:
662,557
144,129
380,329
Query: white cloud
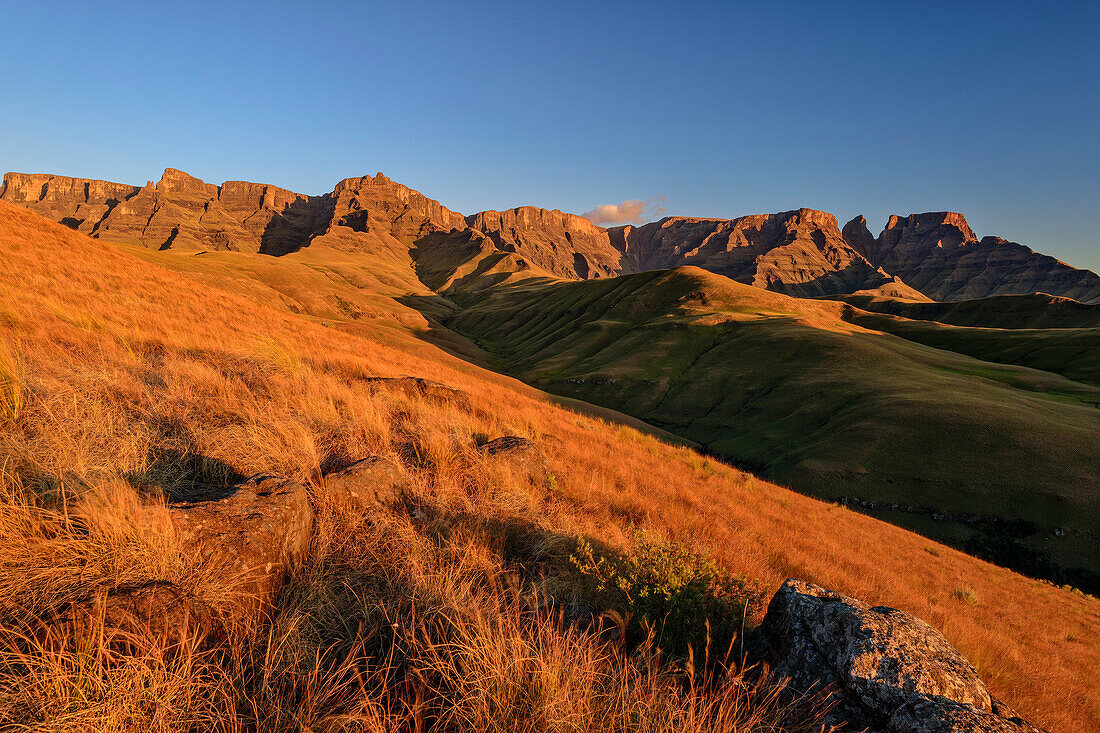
629,211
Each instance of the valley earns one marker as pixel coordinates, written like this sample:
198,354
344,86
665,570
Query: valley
970,423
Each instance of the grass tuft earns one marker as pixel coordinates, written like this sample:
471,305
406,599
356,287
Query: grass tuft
11,385
966,594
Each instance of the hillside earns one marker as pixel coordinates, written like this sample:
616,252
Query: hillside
1071,352
210,384
1037,310
1040,331
997,458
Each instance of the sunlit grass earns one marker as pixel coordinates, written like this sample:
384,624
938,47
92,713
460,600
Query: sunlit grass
179,384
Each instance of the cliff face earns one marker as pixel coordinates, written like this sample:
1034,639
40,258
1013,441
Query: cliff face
178,211
939,255
181,211
76,202
795,252
800,252
565,245
376,201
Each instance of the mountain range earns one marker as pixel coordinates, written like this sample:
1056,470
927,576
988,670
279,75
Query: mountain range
928,256
941,382
451,414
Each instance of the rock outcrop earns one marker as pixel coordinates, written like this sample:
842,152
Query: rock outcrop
183,212
801,252
520,455
882,669
253,534
420,387
565,245
250,535
938,254
154,609
794,252
373,482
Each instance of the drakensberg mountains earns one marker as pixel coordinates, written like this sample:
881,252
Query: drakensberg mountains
801,252
128,374
972,422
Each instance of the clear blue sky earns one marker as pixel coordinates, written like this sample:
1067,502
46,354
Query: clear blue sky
992,109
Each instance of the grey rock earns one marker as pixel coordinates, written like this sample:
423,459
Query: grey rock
881,668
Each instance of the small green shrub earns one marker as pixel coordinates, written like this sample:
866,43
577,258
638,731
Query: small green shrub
966,594
683,599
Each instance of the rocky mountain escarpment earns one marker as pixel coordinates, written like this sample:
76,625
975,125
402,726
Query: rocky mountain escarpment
801,252
939,255
794,252
565,245
79,203
178,211
183,212
364,212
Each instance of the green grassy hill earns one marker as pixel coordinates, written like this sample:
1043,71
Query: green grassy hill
1037,310
1071,352
1001,459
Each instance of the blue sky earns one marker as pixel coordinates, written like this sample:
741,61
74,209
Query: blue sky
722,109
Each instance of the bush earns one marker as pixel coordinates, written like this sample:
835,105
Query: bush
966,594
683,599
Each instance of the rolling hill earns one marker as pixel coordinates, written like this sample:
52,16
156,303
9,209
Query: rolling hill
136,369
997,458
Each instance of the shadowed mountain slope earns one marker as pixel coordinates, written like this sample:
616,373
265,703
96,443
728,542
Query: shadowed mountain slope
795,252
1037,310
939,255
792,389
125,361
1071,352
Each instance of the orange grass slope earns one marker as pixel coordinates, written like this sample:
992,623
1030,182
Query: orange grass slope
117,360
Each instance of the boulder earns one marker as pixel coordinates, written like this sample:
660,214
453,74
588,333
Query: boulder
521,455
253,534
156,608
936,715
882,669
426,388
371,482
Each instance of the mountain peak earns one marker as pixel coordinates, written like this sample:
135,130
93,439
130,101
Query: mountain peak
932,220
938,253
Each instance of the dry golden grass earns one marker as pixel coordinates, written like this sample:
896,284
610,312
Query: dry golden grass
135,378
11,386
